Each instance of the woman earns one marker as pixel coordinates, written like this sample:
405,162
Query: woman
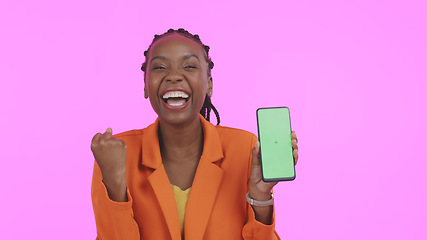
181,177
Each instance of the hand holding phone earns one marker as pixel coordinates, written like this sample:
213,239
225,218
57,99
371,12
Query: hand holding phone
276,152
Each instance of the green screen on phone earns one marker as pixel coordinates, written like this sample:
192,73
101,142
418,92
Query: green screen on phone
274,133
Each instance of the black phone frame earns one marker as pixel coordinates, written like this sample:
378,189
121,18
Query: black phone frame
260,158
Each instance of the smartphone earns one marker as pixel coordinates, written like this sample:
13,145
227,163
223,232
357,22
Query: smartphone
276,152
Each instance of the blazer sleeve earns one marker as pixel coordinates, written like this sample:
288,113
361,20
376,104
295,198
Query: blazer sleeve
253,229
114,220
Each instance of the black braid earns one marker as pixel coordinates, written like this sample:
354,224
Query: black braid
206,110
207,105
184,33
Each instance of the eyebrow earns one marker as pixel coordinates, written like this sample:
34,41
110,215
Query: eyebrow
190,56
185,57
158,57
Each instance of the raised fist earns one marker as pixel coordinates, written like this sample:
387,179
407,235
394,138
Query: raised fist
110,154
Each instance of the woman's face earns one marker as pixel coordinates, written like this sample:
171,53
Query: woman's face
177,78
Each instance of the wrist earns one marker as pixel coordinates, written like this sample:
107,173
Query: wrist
114,174
258,203
259,195
116,180
116,189
263,210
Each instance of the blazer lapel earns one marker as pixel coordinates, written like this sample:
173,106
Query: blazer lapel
163,190
205,185
159,180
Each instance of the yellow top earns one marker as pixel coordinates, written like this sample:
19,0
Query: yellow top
181,198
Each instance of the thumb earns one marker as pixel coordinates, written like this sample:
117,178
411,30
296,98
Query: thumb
109,130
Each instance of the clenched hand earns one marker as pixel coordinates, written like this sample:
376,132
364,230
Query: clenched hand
110,155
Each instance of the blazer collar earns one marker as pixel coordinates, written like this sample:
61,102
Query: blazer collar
204,188
151,157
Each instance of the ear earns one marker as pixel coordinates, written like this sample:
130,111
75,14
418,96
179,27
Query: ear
145,90
210,86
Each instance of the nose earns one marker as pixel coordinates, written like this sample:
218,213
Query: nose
174,76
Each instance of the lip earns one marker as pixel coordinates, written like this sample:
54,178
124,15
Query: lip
170,107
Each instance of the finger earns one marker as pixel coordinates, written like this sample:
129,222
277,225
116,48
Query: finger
294,136
107,134
295,153
115,141
256,174
255,154
96,137
294,144
123,144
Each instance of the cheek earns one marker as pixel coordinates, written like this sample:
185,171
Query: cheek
202,89
150,83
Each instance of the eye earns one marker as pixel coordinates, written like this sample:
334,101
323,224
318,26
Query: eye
190,66
159,68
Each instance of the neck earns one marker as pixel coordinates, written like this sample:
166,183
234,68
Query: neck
181,143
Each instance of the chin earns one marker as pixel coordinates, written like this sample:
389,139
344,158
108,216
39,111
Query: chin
178,118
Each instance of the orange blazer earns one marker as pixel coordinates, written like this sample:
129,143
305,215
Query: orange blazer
216,207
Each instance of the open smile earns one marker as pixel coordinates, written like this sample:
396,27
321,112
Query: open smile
175,99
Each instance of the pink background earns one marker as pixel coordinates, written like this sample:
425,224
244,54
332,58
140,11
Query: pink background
353,73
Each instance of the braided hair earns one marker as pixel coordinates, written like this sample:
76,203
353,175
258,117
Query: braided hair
207,104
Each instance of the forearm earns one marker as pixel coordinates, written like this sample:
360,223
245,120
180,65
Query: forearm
260,224
262,214
116,187
114,219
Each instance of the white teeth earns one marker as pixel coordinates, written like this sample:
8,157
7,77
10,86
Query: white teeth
175,94
176,104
